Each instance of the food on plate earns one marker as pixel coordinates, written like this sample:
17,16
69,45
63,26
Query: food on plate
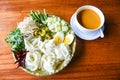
42,44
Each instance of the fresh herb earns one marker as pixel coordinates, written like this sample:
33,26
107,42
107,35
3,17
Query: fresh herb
39,17
16,41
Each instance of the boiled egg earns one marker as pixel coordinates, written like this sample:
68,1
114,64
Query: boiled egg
59,37
68,39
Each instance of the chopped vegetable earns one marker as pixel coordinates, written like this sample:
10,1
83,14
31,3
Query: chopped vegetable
55,24
39,17
16,41
44,32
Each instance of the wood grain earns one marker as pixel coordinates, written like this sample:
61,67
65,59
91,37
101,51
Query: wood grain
94,60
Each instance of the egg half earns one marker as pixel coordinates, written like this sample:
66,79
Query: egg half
68,39
59,37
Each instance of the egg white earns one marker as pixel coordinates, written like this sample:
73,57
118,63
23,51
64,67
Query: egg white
59,37
69,39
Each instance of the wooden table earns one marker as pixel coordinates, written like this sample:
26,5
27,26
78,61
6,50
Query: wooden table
94,60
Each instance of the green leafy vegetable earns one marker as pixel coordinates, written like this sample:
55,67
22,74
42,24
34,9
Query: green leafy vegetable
16,41
39,17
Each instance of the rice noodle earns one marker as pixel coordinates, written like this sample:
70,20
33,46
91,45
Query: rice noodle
47,55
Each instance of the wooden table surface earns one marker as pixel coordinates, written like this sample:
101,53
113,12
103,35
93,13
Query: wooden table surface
94,60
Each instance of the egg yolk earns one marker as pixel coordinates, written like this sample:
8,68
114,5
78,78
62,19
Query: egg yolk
66,40
58,40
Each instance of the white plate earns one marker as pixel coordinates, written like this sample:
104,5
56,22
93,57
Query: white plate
86,36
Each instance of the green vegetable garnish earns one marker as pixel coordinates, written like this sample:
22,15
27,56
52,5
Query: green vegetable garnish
39,17
44,32
16,41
